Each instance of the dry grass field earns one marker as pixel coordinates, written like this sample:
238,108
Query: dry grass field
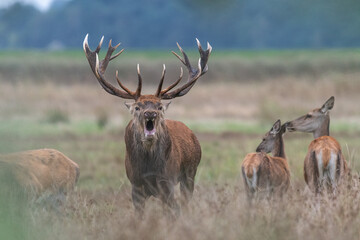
51,100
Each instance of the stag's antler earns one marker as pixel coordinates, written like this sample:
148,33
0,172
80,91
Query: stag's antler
99,68
194,73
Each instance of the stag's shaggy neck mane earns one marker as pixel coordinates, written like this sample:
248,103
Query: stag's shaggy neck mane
147,156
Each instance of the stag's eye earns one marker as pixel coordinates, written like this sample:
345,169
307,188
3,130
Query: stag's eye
160,108
137,108
308,116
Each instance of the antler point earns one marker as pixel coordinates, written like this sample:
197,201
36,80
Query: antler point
97,66
198,42
138,68
209,47
85,43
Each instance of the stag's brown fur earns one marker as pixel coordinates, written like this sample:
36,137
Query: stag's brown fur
159,153
41,171
267,174
154,166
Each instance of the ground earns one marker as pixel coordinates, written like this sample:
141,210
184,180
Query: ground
57,103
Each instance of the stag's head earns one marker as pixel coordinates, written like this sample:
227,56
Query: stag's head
147,110
272,137
313,120
148,115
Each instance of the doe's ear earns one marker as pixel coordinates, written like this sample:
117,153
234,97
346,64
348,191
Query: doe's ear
276,127
328,105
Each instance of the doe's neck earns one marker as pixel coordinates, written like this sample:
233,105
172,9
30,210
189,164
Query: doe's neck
324,129
279,149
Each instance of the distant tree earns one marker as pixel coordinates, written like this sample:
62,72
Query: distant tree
160,23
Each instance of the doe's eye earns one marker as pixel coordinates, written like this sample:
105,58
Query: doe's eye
137,108
308,116
160,108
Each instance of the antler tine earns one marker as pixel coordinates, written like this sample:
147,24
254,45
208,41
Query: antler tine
185,61
158,91
104,63
121,85
194,74
204,55
181,91
138,90
97,50
174,84
99,68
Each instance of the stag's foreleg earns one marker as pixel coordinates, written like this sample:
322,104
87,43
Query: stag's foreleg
187,184
167,196
138,198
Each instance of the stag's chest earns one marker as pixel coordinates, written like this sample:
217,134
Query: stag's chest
144,163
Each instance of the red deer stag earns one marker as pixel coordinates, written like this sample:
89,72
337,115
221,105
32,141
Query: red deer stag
159,152
267,174
40,172
324,162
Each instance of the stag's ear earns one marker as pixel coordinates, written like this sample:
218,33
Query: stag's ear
276,128
166,105
328,105
128,105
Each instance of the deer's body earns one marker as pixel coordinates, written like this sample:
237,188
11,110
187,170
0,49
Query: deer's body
267,174
159,153
324,163
41,171
262,172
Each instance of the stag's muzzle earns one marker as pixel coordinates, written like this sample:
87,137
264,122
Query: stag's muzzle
150,118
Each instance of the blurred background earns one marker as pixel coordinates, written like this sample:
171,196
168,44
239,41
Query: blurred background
271,60
228,24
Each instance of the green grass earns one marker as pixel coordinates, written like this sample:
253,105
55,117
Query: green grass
101,206
101,151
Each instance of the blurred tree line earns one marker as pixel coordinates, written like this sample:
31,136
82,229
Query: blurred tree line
251,24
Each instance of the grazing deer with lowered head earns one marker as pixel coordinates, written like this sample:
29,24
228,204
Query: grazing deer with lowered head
159,152
267,174
324,162
40,172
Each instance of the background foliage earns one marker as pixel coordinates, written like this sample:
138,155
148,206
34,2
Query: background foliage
160,23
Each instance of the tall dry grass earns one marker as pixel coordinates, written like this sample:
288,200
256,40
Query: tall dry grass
215,212
249,88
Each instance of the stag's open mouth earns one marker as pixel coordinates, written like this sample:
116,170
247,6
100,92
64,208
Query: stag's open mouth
150,127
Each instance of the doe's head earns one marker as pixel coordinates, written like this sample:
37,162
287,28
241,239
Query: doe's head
271,138
313,120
